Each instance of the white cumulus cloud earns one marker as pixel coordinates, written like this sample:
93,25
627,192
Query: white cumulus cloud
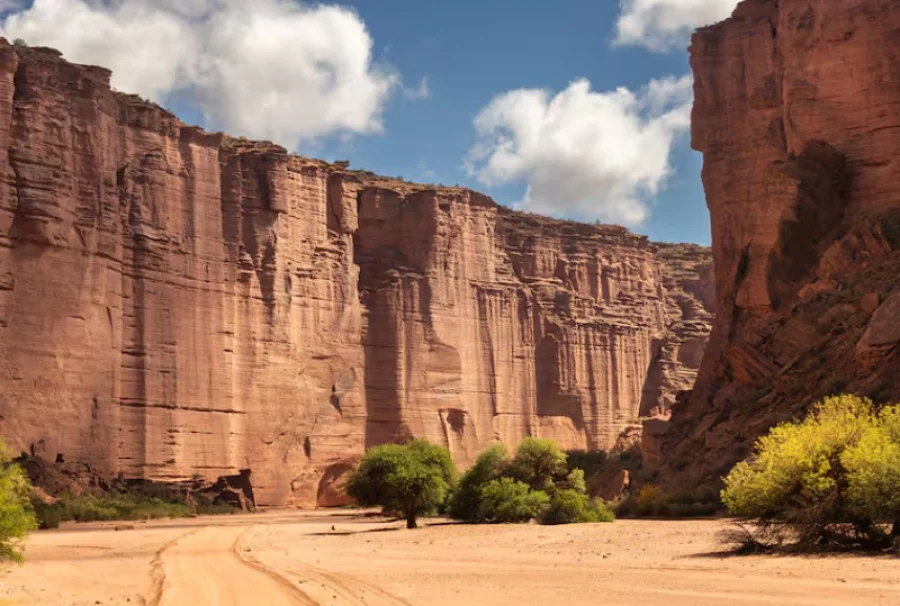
271,69
583,154
663,24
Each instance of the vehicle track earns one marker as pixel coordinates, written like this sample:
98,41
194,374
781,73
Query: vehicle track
348,590
205,567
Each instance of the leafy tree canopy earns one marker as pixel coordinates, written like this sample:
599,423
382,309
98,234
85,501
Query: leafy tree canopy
412,479
539,463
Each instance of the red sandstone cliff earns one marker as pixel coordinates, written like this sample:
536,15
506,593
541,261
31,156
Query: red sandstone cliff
796,113
174,302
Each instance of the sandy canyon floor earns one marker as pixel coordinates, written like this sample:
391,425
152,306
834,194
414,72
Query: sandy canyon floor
344,558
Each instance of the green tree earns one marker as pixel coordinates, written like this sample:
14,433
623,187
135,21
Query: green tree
412,479
465,503
510,501
16,515
539,463
830,478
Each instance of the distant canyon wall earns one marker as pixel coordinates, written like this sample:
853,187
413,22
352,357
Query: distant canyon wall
175,303
797,113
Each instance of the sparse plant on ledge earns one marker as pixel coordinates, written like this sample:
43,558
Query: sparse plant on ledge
829,481
16,515
230,142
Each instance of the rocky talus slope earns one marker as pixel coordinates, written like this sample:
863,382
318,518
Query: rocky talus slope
797,113
174,302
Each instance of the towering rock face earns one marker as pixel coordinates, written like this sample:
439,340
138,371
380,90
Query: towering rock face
482,324
796,113
174,303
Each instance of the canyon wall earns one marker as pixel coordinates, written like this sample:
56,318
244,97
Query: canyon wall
177,303
797,113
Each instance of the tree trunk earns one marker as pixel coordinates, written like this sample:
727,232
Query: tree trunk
895,536
411,520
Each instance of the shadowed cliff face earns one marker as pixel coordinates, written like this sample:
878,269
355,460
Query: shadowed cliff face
796,106
174,303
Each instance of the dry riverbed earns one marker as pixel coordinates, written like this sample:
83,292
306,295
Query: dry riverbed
342,558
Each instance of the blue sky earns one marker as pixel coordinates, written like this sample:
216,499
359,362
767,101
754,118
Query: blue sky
422,73
472,51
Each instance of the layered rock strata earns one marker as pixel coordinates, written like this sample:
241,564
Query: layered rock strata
796,113
174,303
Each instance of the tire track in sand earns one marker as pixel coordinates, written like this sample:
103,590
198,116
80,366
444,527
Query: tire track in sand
157,570
349,591
205,567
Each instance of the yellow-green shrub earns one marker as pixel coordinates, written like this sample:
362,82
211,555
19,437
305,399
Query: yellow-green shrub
829,478
873,470
16,515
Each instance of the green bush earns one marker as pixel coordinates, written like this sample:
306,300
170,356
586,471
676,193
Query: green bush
510,501
539,463
48,516
16,515
575,481
116,506
535,484
466,499
831,479
412,479
568,506
88,508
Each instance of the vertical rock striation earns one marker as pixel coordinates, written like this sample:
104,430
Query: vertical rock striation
175,303
483,324
796,113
